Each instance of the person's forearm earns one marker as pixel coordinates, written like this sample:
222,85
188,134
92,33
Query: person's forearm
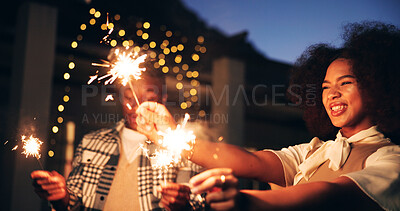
264,166
342,194
292,198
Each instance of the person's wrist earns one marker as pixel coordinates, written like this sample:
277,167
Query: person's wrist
61,204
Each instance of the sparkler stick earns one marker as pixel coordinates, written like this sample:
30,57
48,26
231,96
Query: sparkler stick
134,93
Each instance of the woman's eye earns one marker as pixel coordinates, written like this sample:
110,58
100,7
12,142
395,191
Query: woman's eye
324,87
346,82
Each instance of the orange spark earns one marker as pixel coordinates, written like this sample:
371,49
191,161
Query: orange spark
129,106
109,97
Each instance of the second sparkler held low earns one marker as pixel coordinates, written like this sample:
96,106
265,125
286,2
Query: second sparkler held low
173,143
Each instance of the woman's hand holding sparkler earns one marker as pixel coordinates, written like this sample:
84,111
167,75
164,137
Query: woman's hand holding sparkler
51,186
221,187
174,196
153,117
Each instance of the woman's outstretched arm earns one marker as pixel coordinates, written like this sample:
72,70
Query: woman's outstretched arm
262,165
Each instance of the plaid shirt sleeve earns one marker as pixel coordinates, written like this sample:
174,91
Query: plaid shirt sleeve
74,181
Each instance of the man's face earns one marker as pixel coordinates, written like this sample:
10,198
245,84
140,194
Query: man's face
146,89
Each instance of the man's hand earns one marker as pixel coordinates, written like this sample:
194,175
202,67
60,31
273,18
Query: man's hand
51,187
174,196
153,117
220,185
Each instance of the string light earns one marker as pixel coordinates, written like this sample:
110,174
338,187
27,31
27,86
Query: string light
178,59
200,39
97,14
55,129
146,25
60,108
67,76
179,85
185,67
121,33
74,44
83,27
60,120
165,69
66,98
92,11
195,57
71,65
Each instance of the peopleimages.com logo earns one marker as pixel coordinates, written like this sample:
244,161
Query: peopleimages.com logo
258,95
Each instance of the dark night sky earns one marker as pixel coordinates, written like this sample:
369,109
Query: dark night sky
282,30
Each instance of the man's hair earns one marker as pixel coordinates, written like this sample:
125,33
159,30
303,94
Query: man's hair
374,51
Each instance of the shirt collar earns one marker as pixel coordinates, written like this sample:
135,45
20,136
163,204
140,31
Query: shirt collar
362,135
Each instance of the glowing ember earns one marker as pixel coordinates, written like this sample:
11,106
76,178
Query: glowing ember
173,143
129,106
109,97
31,146
15,148
92,78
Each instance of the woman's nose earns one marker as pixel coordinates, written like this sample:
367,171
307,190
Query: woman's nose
334,93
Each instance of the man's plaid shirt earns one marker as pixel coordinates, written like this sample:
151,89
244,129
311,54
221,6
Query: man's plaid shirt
94,166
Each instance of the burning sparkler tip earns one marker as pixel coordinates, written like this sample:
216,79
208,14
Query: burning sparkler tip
31,146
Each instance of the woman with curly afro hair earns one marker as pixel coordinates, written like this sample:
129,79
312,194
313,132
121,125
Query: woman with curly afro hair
356,110
373,49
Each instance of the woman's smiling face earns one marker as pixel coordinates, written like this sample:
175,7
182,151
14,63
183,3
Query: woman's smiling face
342,98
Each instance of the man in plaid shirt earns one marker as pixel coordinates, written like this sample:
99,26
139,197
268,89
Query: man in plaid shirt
112,172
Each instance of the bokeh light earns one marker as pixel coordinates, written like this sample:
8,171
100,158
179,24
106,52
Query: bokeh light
66,98
71,65
60,120
60,108
146,25
67,76
54,129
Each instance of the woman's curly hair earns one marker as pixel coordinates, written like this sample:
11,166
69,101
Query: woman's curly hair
374,51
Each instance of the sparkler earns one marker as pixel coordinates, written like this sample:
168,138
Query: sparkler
173,142
125,67
32,147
